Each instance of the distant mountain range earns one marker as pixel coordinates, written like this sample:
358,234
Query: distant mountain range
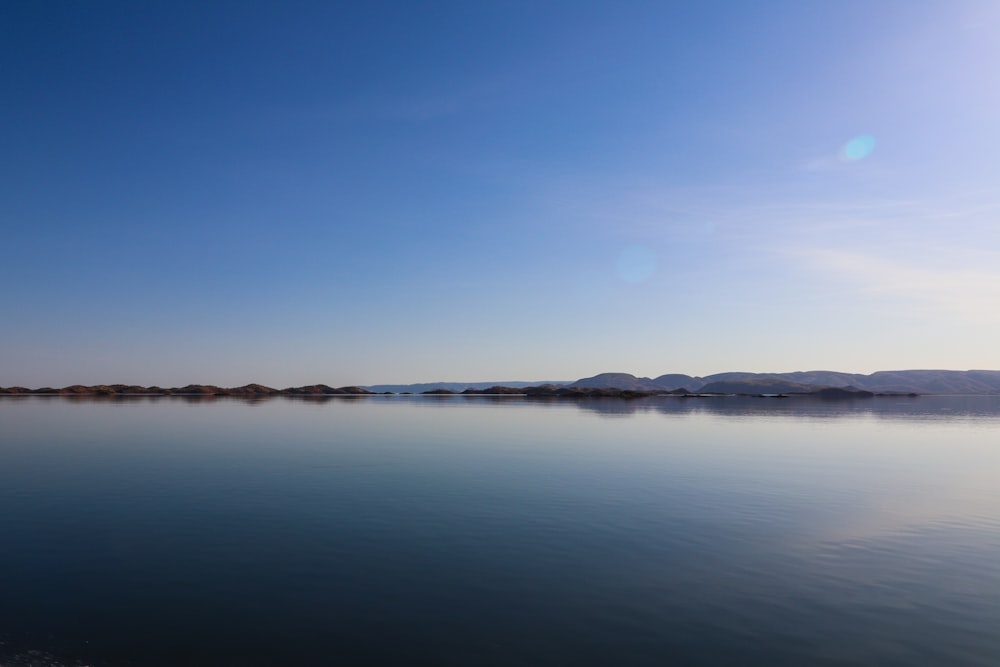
456,387
800,382
916,381
907,381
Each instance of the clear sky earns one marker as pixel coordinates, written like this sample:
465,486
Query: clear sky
367,192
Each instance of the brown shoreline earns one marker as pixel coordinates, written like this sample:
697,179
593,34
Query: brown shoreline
322,390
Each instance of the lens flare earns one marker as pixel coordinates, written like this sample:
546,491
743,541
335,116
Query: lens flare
859,148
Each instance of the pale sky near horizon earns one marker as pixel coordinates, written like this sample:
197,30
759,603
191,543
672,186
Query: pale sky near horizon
390,192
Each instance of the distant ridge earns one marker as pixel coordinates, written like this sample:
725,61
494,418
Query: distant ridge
456,387
798,382
633,383
906,381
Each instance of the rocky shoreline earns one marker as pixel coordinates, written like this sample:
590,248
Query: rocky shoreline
248,390
320,390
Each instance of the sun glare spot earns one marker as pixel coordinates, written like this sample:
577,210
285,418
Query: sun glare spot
859,148
636,264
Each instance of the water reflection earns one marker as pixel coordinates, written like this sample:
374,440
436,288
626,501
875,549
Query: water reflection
885,407
500,530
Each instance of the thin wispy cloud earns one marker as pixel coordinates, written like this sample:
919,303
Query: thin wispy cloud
973,294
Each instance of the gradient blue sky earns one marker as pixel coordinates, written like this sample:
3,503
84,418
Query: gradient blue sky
371,192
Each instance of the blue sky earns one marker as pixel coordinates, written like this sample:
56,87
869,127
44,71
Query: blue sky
373,192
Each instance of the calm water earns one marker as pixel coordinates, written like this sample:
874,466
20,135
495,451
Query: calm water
403,531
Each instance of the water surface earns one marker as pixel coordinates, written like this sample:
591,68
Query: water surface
457,531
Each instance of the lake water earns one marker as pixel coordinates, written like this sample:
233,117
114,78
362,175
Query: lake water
504,531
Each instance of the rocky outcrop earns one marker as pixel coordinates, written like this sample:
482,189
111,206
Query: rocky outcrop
496,390
753,387
586,392
616,381
837,393
246,391
323,390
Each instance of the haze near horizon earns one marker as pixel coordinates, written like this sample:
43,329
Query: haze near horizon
397,192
